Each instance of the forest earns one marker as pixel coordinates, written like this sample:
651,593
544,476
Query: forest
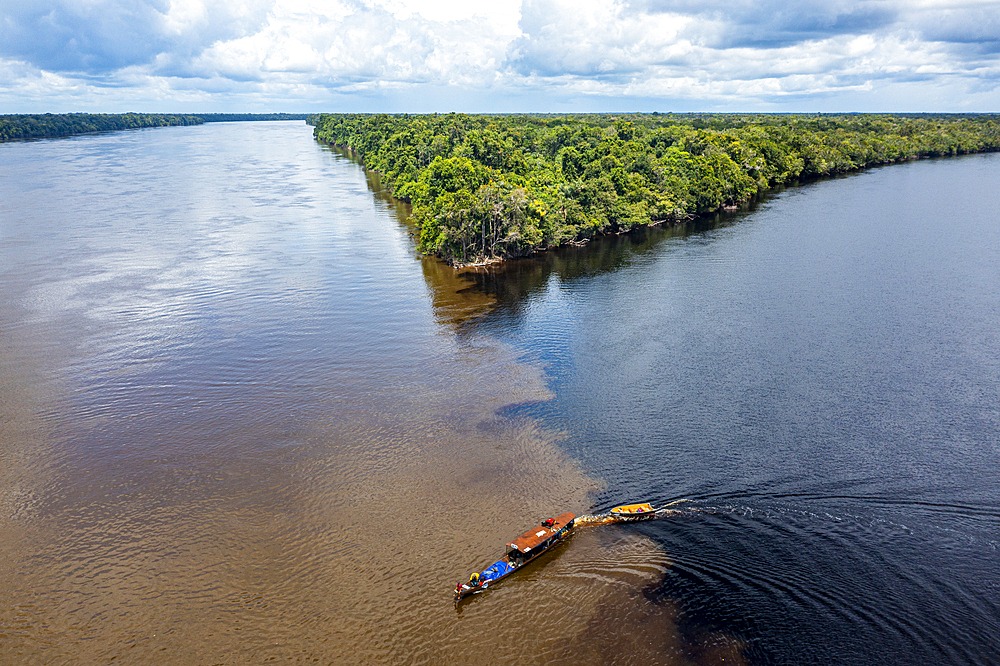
49,125
489,187
231,117
38,126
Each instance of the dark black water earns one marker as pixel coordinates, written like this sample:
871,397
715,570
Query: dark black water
241,420
820,377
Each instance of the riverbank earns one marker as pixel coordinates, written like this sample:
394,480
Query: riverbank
48,125
223,348
488,188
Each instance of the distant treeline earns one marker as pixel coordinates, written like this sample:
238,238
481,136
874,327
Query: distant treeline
230,117
490,187
65,124
38,126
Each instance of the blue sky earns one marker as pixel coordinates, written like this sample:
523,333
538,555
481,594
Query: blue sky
504,56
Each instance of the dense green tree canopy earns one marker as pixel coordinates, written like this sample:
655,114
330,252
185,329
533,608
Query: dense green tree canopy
231,117
40,126
490,187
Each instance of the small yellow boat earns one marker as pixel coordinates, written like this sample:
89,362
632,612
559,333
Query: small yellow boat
642,511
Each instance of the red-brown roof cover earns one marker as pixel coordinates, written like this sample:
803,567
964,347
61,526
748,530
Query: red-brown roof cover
538,534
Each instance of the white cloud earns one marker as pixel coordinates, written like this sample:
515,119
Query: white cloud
342,46
505,55
753,54
593,37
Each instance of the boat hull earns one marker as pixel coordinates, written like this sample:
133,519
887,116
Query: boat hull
525,549
633,512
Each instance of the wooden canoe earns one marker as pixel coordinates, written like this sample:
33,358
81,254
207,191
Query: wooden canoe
520,551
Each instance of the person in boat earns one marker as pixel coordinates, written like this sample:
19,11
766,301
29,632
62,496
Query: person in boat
474,579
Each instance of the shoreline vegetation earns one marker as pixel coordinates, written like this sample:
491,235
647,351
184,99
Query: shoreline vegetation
53,125
485,188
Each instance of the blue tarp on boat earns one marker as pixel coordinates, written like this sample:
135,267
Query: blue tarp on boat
497,570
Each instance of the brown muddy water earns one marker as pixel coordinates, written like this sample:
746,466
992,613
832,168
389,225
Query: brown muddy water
239,423
242,421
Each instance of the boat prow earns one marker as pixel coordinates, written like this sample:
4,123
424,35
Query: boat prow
630,512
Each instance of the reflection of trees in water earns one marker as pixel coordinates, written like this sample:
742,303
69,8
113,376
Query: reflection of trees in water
373,180
402,209
483,297
456,296
513,283
479,298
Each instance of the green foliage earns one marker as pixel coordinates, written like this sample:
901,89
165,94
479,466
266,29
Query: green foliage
47,125
54,125
491,187
232,117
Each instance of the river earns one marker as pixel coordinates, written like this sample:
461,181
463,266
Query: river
242,420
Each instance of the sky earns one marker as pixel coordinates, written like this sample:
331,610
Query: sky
423,56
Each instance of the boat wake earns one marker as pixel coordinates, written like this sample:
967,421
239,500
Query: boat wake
543,536
606,518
